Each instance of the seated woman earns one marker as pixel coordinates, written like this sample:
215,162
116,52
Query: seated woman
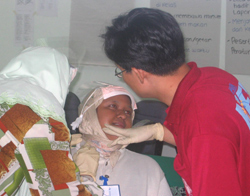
134,173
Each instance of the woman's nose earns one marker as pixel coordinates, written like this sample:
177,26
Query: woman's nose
121,114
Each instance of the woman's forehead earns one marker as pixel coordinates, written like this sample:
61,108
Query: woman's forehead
119,99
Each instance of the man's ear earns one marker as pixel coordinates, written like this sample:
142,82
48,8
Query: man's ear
140,74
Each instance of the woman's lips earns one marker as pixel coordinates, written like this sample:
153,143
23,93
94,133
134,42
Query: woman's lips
119,124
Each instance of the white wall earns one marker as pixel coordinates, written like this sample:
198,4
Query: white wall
55,31
44,27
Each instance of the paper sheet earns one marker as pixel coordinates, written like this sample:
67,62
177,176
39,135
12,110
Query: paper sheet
24,23
47,8
200,23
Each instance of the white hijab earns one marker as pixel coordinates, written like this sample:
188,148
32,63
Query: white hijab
39,77
89,124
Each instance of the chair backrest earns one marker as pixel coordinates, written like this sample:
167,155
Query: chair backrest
149,111
152,110
71,110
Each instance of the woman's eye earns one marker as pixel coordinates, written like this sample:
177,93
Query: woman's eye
128,112
113,106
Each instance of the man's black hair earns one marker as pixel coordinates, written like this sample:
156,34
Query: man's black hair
147,39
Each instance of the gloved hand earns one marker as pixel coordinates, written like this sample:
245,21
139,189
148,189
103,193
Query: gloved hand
135,135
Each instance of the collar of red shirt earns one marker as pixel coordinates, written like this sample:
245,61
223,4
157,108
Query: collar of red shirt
173,112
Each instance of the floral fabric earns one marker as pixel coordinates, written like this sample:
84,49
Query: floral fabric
32,147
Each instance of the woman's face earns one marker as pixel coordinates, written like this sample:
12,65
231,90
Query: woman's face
115,111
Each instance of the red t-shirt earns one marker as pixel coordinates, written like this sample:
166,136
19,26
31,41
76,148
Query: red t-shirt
209,118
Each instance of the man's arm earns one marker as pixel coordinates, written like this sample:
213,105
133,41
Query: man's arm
168,136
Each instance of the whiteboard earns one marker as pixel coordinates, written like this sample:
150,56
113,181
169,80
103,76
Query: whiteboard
88,21
209,40
238,37
217,32
199,20
200,23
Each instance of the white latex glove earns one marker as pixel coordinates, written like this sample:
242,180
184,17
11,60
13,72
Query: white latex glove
135,135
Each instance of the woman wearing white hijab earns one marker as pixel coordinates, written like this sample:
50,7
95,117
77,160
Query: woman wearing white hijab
34,138
113,166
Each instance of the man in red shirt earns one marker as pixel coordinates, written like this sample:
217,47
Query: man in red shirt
208,114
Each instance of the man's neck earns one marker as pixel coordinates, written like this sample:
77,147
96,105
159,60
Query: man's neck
165,87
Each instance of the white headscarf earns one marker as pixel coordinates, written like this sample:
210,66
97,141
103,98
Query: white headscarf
89,123
39,77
